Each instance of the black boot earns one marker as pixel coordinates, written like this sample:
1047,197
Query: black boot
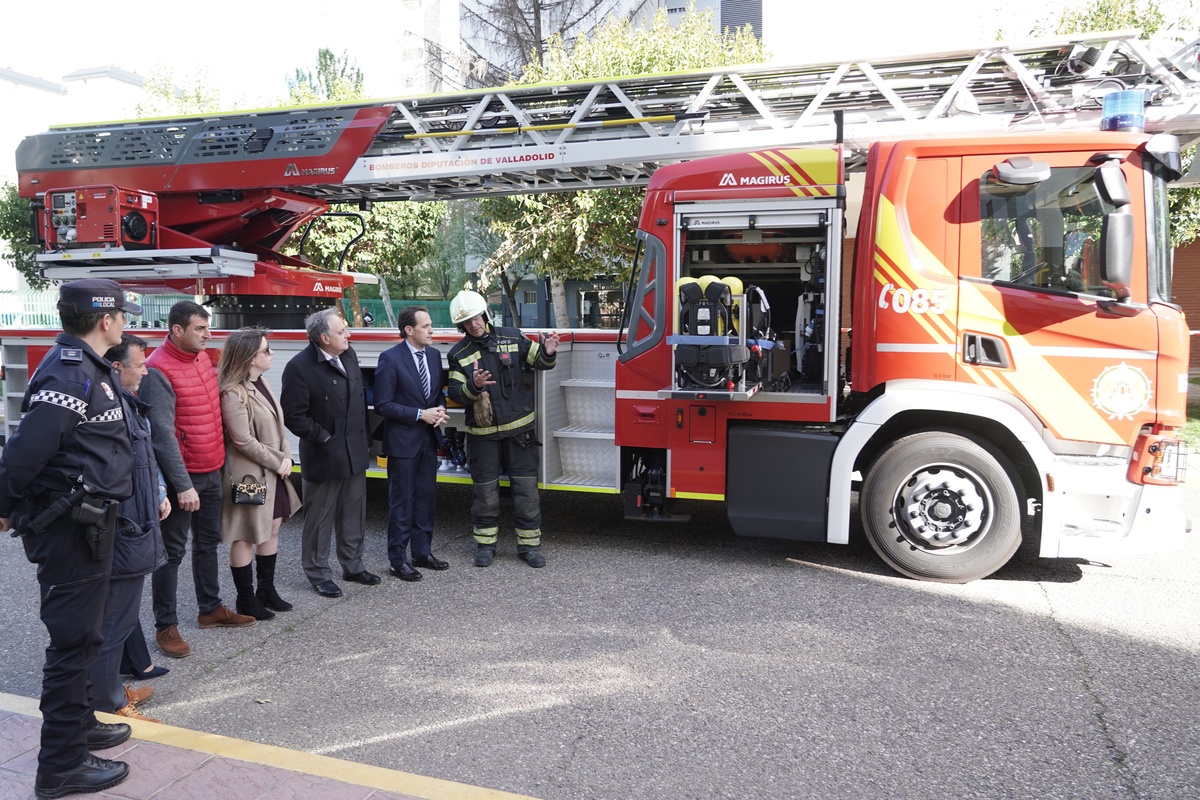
247,603
532,556
95,774
266,593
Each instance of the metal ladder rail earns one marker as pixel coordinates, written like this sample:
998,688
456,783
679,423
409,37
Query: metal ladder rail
1001,77
1045,85
615,132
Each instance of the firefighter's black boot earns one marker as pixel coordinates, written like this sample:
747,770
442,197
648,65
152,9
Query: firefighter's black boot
533,557
484,555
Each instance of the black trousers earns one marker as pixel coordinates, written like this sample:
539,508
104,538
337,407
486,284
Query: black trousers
205,527
517,457
74,591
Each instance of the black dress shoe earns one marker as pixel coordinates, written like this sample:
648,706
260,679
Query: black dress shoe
433,562
104,735
327,589
93,775
406,573
364,577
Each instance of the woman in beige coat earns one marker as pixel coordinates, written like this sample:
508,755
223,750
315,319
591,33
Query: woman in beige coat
256,449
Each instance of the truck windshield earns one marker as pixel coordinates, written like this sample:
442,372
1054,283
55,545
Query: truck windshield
1045,236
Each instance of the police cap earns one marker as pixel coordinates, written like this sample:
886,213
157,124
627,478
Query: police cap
94,294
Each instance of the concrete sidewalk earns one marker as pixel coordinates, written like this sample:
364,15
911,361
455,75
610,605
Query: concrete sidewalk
168,763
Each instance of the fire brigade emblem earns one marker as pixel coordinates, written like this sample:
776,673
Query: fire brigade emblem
108,391
1122,391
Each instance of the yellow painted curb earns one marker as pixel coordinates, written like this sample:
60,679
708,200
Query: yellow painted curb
268,755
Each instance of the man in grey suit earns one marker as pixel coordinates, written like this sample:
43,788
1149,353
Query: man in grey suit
325,405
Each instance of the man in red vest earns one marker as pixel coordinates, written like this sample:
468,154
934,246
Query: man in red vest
189,444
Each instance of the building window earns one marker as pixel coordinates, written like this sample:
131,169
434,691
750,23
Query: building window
530,297
740,13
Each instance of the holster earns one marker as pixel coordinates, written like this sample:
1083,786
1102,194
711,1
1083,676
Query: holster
98,516
35,512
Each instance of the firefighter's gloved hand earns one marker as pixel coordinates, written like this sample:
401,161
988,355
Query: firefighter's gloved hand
483,411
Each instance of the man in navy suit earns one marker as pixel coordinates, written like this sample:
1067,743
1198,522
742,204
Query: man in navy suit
408,395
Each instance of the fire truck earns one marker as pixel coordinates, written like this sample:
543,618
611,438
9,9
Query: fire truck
989,354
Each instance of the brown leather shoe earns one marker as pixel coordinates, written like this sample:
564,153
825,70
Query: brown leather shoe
222,617
135,696
131,712
172,644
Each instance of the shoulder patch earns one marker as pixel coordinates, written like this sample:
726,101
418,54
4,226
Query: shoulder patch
70,355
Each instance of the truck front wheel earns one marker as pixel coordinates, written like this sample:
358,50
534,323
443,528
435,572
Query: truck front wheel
941,506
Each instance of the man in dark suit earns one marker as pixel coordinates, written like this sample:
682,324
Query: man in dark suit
408,395
325,405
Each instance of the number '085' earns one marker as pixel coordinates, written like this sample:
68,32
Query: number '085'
912,301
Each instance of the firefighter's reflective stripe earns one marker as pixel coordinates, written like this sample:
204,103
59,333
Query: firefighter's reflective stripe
535,349
466,359
508,426
467,388
529,538
485,535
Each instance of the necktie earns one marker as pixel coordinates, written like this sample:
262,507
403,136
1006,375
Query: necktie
337,363
424,373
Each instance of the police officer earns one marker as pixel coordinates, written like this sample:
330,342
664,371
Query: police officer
487,369
62,475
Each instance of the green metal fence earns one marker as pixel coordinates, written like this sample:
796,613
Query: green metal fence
439,311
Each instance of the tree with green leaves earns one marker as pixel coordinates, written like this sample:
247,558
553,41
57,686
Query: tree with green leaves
15,234
460,235
510,34
584,234
334,79
1148,16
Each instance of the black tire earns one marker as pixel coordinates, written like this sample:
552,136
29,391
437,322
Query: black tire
942,506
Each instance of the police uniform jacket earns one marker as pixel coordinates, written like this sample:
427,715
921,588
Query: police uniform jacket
74,427
506,353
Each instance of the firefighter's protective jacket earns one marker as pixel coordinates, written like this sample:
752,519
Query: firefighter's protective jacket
506,353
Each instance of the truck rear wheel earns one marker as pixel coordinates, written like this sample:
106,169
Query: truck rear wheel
942,506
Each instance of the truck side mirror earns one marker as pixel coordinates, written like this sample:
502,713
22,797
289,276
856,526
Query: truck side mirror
1111,183
1116,253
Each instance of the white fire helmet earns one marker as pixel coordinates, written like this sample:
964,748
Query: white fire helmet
467,304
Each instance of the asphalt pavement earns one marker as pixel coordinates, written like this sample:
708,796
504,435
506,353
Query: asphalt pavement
676,660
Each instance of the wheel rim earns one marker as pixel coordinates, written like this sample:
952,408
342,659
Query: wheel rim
942,507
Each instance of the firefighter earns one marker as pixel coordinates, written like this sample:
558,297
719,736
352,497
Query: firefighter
486,377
